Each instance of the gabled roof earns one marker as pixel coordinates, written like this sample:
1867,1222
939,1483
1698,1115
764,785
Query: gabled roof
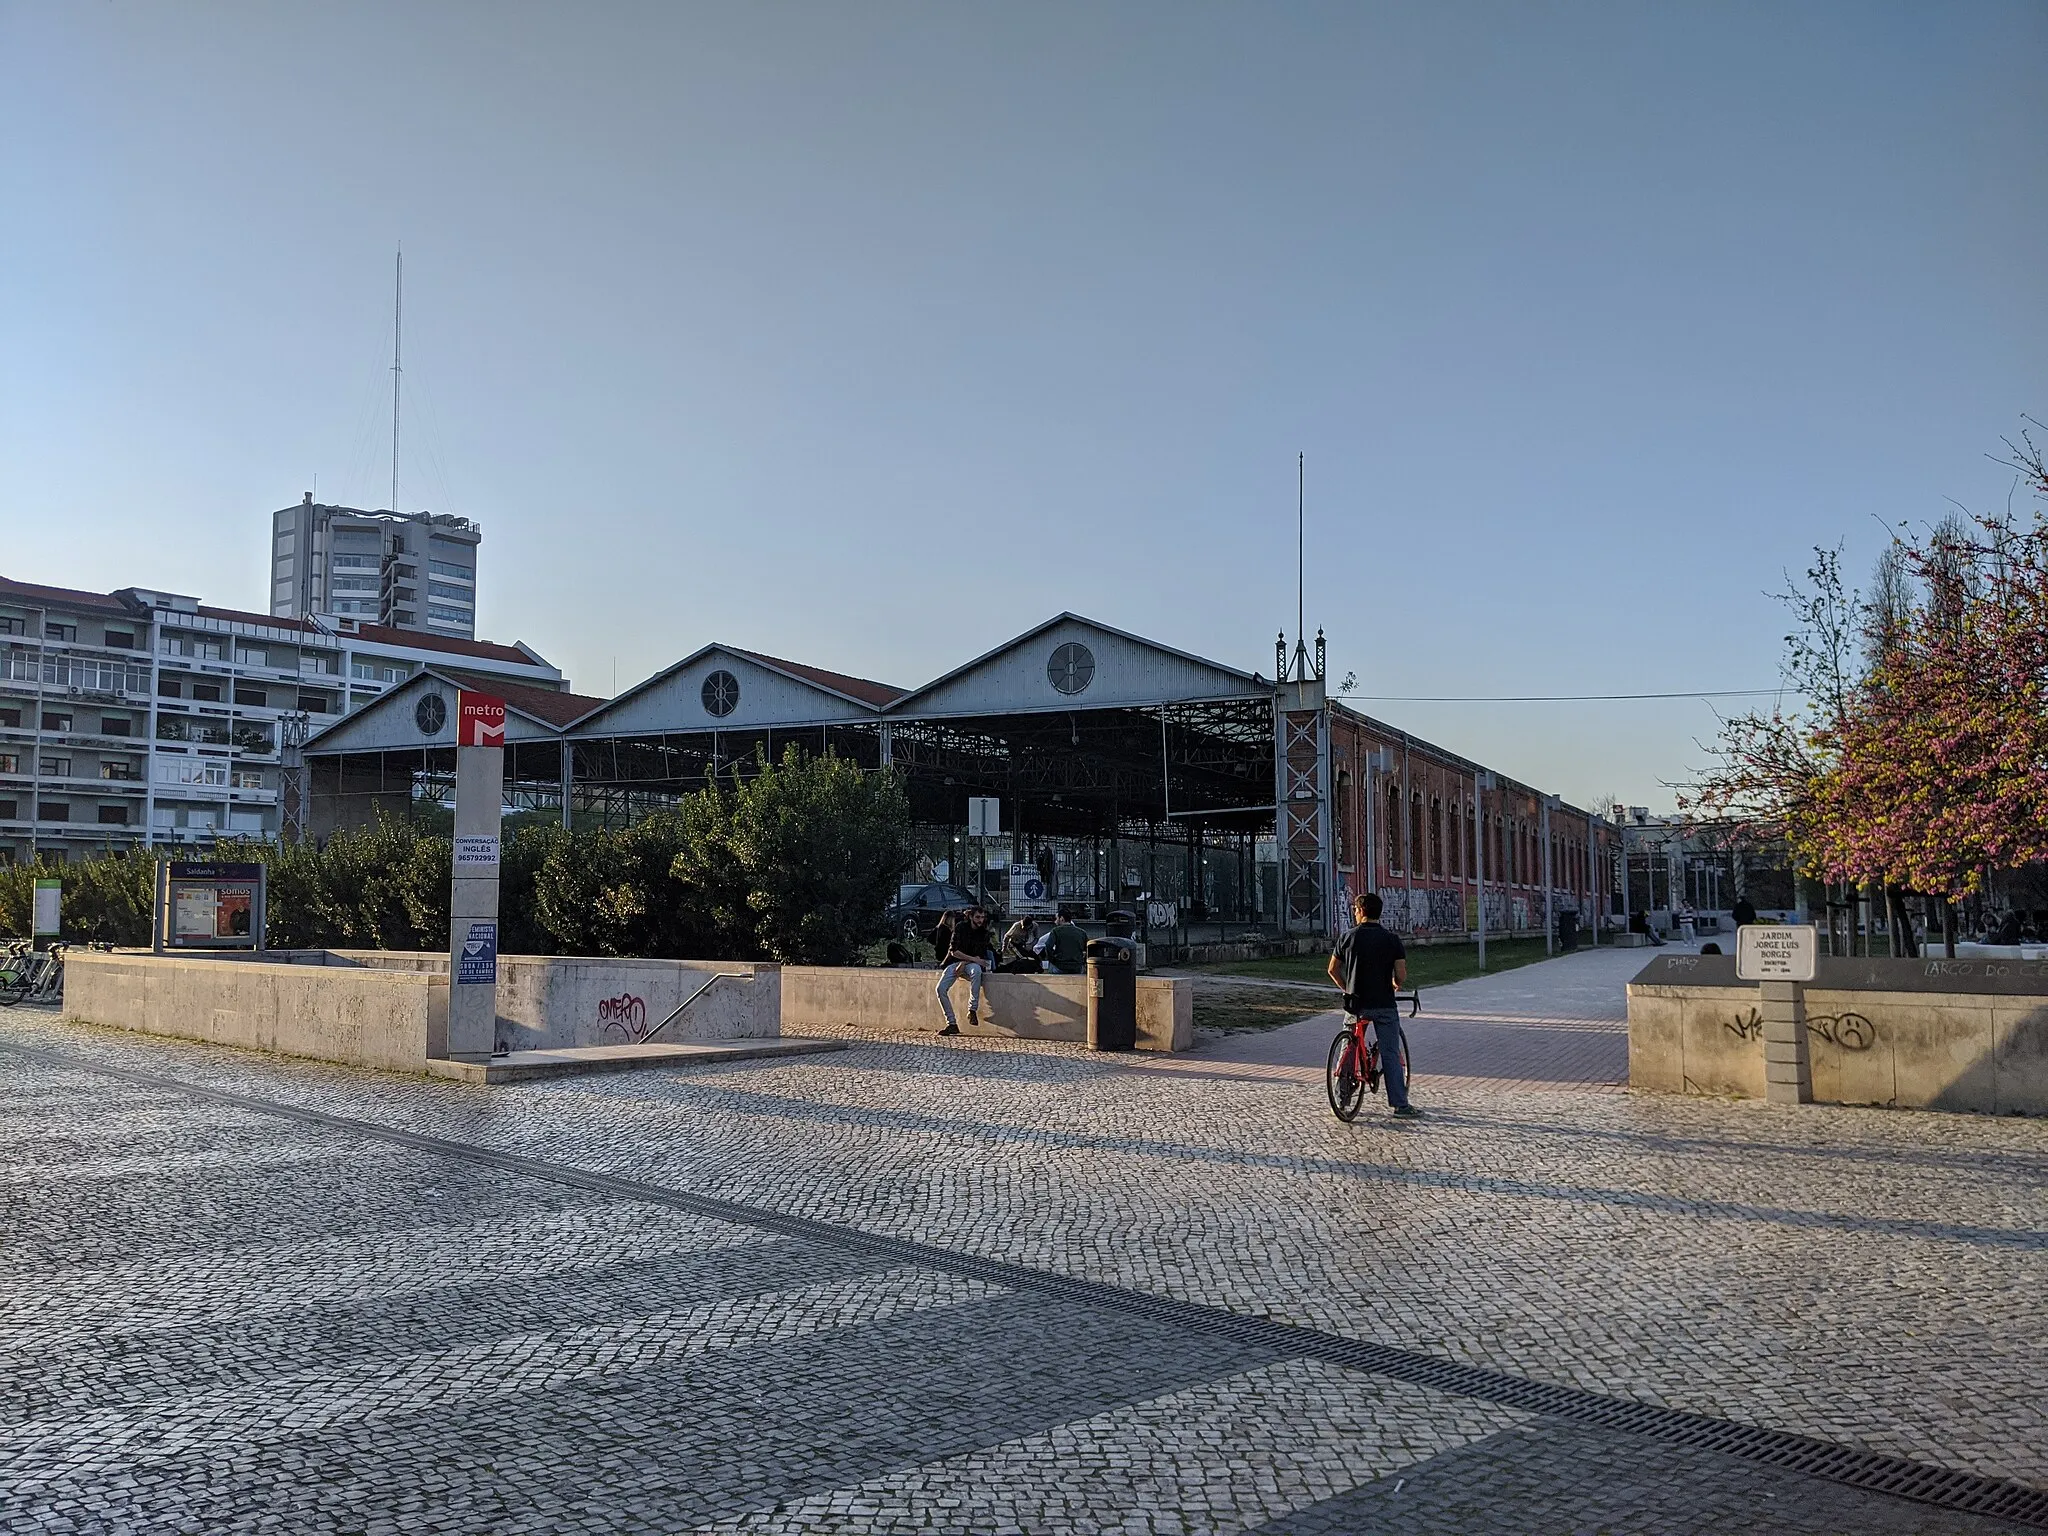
908,701
867,696
548,708
861,688
552,705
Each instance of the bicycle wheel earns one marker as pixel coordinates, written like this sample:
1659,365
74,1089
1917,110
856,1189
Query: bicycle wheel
1341,1078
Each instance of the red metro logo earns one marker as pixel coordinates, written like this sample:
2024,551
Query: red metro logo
479,720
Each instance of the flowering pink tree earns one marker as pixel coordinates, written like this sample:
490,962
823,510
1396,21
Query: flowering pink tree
1918,754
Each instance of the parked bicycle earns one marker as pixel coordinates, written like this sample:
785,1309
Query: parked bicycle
1354,1067
32,976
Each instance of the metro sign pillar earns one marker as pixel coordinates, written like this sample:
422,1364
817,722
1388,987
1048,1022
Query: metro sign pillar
473,892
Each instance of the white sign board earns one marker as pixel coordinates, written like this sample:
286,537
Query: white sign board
1029,894
195,911
984,817
476,851
1767,952
49,907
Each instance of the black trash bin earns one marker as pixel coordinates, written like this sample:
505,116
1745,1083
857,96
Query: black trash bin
1112,995
1120,925
1567,931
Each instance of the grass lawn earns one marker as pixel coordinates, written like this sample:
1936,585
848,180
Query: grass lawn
1229,1006
1429,965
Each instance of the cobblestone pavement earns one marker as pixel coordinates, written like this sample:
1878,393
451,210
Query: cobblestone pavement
285,1316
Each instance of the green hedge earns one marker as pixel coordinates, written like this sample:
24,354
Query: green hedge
794,861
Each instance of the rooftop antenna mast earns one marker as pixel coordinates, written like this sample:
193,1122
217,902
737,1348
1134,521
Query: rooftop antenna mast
1300,558
397,371
1296,667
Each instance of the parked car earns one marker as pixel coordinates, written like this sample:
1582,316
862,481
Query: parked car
916,912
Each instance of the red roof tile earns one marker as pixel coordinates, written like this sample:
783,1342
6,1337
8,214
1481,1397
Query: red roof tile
853,687
32,592
549,704
455,646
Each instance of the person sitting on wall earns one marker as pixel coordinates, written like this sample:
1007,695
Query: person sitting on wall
1744,912
967,954
1020,948
1066,947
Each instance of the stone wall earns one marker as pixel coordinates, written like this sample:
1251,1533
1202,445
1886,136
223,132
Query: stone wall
1041,1007
361,1017
388,1008
1933,1034
547,1002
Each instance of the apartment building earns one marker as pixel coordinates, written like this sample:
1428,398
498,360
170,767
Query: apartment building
405,570
142,717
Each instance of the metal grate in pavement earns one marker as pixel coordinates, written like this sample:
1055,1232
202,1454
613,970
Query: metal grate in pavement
1896,1476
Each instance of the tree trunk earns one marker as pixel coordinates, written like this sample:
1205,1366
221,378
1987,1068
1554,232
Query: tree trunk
1904,944
1948,927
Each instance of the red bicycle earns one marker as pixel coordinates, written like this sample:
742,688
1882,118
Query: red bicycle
1354,1065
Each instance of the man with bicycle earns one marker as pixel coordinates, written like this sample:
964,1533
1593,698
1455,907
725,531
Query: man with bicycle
1369,965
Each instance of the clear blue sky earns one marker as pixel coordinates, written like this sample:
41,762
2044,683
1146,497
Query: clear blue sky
873,334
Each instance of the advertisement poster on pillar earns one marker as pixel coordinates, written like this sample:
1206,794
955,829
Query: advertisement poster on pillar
479,720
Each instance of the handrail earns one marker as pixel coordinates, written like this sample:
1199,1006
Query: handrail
710,982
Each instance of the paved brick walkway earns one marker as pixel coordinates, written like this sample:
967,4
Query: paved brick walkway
1558,1023
963,1286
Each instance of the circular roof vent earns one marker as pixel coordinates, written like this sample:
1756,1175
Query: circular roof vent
430,714
1071,669
721,694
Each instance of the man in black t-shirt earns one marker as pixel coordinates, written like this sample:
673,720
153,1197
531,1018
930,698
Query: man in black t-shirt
1369,966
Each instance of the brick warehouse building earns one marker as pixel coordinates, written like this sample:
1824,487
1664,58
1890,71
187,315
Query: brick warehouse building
1125,767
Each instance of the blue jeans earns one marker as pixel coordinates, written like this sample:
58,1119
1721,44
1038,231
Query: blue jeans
951,974
1386,1026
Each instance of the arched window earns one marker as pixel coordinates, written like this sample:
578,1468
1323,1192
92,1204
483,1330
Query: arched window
1436,836
1415,843
1393,820
1458,838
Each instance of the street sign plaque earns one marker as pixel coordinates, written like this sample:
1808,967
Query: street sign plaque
1774,952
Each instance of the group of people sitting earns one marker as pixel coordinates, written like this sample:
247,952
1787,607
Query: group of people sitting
1024,950
2012,928
966,946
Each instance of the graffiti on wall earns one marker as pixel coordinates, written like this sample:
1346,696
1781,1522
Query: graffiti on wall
1425,911
1847,1031
622,1018
1745,1026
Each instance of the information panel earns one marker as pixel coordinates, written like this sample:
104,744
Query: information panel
210,906
49,907
1769,952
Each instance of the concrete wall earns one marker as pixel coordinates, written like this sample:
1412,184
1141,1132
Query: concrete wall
1042,1007
365,1018
1919,1034
547,1002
